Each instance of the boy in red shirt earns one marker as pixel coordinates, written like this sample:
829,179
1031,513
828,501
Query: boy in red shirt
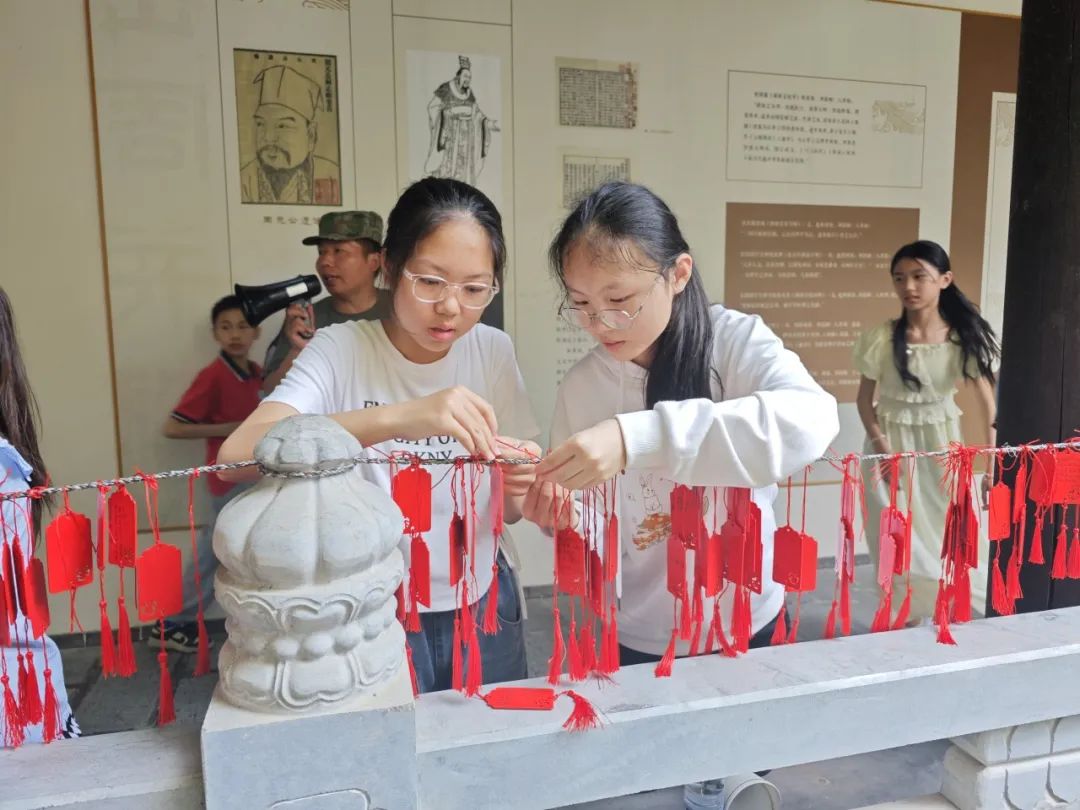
221,397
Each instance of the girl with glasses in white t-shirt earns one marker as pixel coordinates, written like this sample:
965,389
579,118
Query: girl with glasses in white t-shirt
432,381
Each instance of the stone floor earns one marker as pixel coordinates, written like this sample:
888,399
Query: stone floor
107,705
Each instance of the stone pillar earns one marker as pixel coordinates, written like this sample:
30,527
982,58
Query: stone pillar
1035,766
314,705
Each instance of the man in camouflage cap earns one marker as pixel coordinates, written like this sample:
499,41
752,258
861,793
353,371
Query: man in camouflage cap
350,255
286,168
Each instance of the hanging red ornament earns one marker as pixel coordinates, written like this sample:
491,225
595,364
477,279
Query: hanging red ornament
123,528
411,491
158,582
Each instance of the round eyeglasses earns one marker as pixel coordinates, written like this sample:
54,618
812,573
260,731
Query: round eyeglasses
433,289
616,319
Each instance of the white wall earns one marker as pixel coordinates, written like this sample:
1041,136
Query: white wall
177,239
51,264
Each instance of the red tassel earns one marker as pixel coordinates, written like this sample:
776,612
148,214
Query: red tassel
29,696
883,615
412,671
613,640
558,649
725,646
588,648
474,672
202,658
1012,578
962,601
1036,556
793,633
663,669
944,634
942,617
51,728
457,675
1074,555
583,717
845,605
412,618
999,599
126,659
610,644
710,634
699,620
904,612
685,629
166,710
942,601
741,620
108,645
779,635
830,622
1061,549
577,661
491,613
14,732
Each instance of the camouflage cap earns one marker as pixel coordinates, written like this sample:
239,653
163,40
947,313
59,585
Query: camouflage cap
343,226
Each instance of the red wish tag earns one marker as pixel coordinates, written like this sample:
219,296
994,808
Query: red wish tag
687,507
1020,488
710,567
676,566
411,491
886,557
893,541
37,598
737,502
70,551
13,583
521,697
754,546
596,583
158,582
123,525
732,541
612,547
743,552
420,570
1055,478
457,548
794,560
1000,512
570,562
5,631
497,501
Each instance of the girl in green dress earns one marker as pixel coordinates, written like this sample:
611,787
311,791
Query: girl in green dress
911,369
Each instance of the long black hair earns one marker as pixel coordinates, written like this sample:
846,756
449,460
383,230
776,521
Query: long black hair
429,203
620,217
969,329
19,414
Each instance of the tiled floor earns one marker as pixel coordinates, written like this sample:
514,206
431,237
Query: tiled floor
107,705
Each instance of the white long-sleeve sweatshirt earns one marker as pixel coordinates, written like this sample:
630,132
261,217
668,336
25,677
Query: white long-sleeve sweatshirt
767,419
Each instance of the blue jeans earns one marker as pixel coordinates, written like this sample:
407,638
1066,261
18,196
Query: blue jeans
502,655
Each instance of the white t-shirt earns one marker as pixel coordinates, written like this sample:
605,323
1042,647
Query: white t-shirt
767,419
351,366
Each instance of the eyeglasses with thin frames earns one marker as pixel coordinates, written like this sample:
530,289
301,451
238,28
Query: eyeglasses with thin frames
433,289
616,319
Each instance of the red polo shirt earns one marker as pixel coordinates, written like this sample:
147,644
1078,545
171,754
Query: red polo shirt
222,392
